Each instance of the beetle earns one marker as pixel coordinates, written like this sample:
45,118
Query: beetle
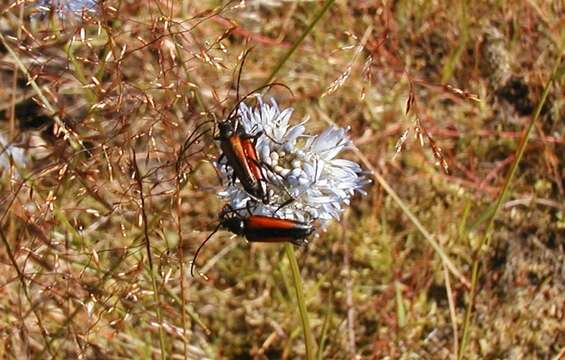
267,229
238,148
260,228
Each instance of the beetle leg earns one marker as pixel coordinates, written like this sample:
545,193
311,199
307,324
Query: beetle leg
299,242
288,202
273,140
248,207
255,136
229,209
270,168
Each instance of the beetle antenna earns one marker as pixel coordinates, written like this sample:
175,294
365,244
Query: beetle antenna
200,248
193,138
243,58
245,54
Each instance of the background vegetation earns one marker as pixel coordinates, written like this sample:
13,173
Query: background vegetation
102,206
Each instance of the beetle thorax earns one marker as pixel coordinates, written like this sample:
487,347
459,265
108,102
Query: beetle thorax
226,129
234,224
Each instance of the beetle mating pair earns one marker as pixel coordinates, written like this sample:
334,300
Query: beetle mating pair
238,149
239,153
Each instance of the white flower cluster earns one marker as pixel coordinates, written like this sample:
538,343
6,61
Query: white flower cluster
67,7
306,182
10,154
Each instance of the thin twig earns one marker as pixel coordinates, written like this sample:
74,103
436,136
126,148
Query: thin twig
218,256
15,78
560,355
349,302
139,180
452,312
21,277
178,201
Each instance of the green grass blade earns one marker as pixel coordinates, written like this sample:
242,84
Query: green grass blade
297,280
308,337
297,43
501,197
